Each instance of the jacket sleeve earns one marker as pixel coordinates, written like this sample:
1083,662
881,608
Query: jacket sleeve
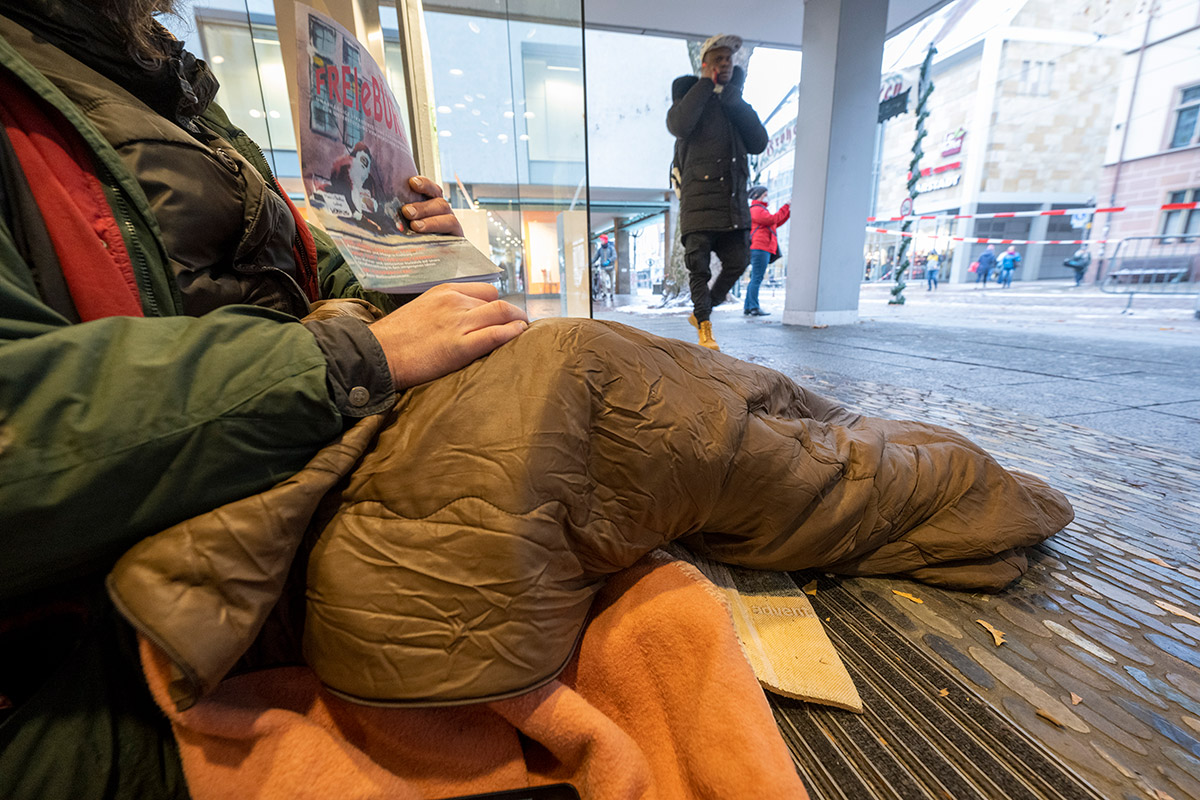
688,106
747,124
781,216
114,429
743,117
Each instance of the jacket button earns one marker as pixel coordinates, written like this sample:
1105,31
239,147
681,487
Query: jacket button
230,163
359,396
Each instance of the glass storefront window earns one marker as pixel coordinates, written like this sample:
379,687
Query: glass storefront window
246,59
508,93
393,66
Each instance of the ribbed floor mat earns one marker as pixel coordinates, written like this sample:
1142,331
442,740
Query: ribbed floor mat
923,735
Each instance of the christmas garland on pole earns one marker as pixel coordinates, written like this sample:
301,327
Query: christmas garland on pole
924,89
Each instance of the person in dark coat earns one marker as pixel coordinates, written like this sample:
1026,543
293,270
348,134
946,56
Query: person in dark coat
1079,263
987,263
714,131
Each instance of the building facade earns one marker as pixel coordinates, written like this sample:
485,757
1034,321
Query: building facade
1011,128
1153,155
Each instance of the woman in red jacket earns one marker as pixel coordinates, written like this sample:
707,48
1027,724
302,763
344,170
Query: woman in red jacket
764,245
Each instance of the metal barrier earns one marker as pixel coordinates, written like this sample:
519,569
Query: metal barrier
1152,265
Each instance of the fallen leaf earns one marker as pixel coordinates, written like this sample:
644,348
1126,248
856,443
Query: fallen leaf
909,596
1046,715
944,693
811,587
1159,561
819,327
1075,699
997,635
1161,795
1176,610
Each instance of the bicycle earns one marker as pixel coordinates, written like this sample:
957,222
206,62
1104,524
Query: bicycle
602,286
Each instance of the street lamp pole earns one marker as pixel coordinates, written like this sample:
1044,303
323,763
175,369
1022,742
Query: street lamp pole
1137,75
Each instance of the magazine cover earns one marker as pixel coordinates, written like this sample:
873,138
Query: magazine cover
356,161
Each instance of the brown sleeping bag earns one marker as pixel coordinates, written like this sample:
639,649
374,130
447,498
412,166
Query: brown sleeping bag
457,559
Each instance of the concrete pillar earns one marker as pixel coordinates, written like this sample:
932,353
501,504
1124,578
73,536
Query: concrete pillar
624,255
831,191
1031,263
975,150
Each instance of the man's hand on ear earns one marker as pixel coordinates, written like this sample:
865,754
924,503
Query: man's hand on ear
733,89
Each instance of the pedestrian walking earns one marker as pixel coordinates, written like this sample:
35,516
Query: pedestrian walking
1079,262
987,263
603,285
1008,262
714,131
764,245
932,268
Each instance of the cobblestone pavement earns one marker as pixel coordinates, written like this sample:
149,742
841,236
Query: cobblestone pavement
1095,690
1100,665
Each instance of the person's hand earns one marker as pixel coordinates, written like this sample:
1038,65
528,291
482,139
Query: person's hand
733,87
433,215
445,329
707,72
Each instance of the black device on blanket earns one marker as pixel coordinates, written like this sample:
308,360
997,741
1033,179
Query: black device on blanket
555,791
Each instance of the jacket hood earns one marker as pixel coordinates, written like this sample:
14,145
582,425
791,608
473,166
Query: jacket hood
180,87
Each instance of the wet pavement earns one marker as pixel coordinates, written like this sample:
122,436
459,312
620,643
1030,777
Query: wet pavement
1044,349
1095,690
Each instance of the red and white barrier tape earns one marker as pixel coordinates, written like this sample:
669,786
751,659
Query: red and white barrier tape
1057,212
974,240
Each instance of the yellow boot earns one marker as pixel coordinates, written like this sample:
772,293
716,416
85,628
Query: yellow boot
706,334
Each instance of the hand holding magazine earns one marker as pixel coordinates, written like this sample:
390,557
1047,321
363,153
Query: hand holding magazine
357,163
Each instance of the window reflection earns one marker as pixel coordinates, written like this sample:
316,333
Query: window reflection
510,119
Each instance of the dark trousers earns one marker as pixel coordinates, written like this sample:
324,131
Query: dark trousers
733,251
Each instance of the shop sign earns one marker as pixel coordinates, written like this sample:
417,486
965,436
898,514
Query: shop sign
952,145
783,141
894,92
939,182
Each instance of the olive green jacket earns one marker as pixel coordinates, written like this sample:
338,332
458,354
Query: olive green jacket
97,451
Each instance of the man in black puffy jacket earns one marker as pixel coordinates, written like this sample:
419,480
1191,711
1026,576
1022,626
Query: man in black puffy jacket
714,131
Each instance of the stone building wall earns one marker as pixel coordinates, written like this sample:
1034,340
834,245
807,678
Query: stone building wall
1048,130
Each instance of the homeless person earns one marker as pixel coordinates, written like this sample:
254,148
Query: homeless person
155,377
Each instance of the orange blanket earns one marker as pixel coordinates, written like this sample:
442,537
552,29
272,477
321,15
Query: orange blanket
659,702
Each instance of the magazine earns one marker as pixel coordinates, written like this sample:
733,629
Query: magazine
356,162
